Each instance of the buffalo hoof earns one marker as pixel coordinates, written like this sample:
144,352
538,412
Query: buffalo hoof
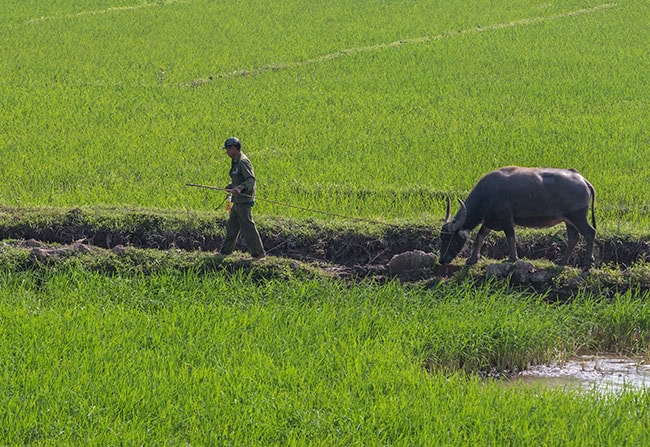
587,265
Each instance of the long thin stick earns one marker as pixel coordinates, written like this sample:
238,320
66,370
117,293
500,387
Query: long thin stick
216,188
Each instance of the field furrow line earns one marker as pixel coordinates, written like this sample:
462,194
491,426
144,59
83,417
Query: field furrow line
104,11
395,44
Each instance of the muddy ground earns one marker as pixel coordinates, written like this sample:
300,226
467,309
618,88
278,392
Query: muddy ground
346,252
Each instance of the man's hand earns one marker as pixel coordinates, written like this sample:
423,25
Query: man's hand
237,191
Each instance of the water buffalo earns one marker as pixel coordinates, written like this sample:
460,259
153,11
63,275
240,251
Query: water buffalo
529,197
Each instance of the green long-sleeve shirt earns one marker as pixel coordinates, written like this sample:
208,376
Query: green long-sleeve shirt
241,173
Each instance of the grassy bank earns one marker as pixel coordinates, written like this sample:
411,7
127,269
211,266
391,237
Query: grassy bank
340,241
121,240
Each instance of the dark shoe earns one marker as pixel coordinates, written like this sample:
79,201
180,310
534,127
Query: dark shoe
260,257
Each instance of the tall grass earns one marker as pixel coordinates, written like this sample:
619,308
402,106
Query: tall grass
96,107
214,359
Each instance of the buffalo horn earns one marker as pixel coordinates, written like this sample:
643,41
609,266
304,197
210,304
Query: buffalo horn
448,210
459,220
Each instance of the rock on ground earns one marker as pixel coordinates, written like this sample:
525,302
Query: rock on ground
410,261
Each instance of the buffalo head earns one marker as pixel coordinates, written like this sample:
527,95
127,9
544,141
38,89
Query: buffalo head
452,236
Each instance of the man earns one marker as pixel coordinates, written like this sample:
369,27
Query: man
243,191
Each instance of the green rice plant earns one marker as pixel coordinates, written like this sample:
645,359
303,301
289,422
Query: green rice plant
620,326
215,358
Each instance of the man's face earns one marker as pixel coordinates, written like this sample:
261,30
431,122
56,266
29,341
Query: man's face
232,151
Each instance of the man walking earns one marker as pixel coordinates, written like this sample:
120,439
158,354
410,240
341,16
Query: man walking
243,191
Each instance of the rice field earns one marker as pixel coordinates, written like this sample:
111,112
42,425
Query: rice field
377,109
213,360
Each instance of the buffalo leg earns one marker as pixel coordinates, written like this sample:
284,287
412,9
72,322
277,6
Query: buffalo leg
512,245
572,240
580,222
476,251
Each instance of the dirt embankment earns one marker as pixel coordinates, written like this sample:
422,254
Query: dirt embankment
344,251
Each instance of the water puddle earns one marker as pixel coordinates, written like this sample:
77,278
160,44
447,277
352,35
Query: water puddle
601,373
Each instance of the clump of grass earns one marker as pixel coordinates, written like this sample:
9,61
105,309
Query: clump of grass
620,325
498,332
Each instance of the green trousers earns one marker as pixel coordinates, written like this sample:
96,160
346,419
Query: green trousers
241,221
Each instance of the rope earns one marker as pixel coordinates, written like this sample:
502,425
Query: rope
359,219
